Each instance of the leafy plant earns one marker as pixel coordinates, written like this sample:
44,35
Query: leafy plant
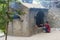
5,15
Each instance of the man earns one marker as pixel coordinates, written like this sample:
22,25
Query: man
47,26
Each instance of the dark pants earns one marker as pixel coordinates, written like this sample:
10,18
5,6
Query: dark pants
46,30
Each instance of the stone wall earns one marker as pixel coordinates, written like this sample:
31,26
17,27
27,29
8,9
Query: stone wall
25,28
18,28
54,17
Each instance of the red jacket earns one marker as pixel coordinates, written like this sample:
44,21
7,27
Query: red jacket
48,27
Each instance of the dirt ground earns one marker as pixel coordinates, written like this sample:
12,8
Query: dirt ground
54,35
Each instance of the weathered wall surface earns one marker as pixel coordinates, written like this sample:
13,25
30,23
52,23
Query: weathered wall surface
32,22
54,14
54,17
19,28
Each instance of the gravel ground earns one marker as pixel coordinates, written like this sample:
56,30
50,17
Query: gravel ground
54,35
